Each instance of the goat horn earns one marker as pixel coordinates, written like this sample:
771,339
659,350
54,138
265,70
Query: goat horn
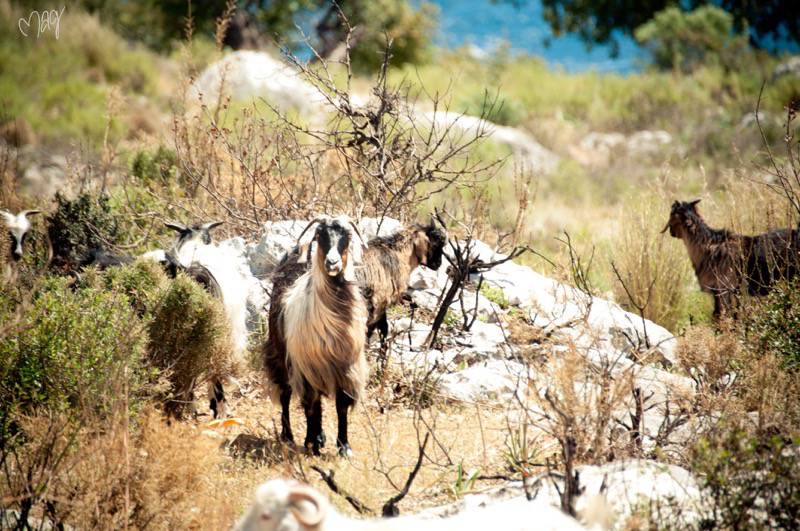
310,223
304,493
358,232
30,212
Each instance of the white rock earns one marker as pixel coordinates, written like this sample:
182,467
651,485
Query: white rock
249,74
492,379
277,238
632,484
369,227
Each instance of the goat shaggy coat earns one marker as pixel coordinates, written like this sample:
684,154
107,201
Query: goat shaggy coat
324,322
725,263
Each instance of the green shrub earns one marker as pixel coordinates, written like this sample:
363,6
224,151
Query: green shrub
79,225
189,338
73,351
409,29
684,40
752,482
156,167
773,323
143,282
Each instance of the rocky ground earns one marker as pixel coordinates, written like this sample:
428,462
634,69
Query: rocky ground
480,385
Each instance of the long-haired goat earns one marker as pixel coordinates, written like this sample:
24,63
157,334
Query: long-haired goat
317,329
388,263
725,262
18,227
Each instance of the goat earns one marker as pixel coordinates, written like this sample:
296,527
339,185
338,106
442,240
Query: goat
725,262
194,253
317,329
281,505
388,263
18,227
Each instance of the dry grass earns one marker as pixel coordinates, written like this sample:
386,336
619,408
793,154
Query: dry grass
655,273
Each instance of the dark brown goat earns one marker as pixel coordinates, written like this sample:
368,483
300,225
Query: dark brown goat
317,330
388,263
727,263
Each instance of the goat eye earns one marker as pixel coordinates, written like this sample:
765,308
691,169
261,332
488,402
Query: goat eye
266,516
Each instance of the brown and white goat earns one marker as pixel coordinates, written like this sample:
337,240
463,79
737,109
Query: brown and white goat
388,263
317,329
725,262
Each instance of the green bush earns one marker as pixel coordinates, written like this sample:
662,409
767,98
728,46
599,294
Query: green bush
189,338
79,225
73,351
409,29
684,40
773,323
143,282
156,167
752,483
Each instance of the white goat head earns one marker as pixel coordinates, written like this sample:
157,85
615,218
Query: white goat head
18,227
189,237
281,505
340,245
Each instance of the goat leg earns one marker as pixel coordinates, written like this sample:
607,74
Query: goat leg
312,405
343,404
218,404
286,424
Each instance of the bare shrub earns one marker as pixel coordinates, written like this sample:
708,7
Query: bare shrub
153,476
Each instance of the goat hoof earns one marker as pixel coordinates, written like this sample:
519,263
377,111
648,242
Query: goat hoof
287,438
345,450
321,439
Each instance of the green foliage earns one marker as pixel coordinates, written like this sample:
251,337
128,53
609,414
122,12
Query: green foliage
684,40
753,483
773,325
79,225
156,167
72,350
494,294
189,338
409,30
142,282
499,110
464,482
600,22
60,86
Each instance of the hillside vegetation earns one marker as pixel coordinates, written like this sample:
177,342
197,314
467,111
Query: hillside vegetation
103,420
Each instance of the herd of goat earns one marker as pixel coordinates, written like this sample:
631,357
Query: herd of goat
328,295
332,290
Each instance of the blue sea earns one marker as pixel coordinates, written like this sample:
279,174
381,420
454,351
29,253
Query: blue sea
483,26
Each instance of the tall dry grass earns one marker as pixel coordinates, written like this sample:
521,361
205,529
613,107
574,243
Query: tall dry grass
655,274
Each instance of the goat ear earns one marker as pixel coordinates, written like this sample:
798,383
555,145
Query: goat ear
693,203
307,505
8,216
211,225
177,227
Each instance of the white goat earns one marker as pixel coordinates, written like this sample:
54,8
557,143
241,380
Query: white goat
194,248
18,227
281,505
